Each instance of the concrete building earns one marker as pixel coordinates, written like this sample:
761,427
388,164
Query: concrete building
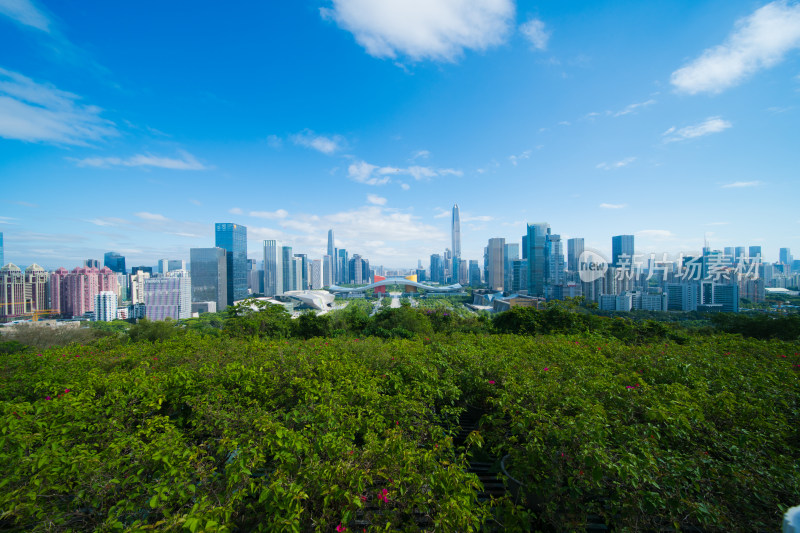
496,248
169,296
105,306
316,274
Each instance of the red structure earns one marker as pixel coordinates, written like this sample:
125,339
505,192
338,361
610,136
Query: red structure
382,288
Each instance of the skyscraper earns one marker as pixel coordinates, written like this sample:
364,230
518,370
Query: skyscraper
332,253
510,254
115,262
455,229
621,245
287,262
436,270
273,268
233,238
754,251
169,297
496,248
785,256
327,271
105,306
555,260
2,253
209,276
574,250
537,257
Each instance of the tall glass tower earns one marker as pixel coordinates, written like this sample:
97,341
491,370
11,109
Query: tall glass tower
455,230
332,253
2,255
621,245
537,257
233,239
209,276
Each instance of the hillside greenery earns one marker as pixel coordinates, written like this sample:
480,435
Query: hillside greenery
250,420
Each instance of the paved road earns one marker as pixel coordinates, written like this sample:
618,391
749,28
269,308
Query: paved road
395,299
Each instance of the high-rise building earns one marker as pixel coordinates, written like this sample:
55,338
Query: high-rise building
146,269
137,287
455,230
233,238
169,296
2,251
37,285
574,250
496,248
58,288
303,271
176,264
784,256
622,246
738,253
524,247
287,259
519,275
273,268
537,257
474,273
297,270
163,266
115,262
342,266
334,257
437,272
754,252
316,274
91,263
73,293
105,306
209,276
327,271
12,297
510,254
555,260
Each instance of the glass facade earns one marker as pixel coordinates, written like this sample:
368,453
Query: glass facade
209,276
115,262
233,239
537,257
287,263
621,245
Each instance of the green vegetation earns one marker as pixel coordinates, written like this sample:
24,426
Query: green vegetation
249,420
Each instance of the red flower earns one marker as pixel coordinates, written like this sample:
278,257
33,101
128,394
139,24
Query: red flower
491,382
384,496
340,528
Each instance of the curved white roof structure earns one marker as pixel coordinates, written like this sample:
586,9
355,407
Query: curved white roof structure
398,280
319,300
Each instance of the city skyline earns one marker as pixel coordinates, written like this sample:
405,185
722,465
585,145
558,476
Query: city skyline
672,123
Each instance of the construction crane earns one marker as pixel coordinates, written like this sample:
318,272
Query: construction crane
39,313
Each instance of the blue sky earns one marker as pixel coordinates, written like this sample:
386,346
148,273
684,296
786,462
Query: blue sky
133,127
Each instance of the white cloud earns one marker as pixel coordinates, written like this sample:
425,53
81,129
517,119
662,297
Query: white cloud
39,112
758,41
421,29
613,206
420,154
186,162
405,186
633,107
476,218
655,234
565,123
321,143
271,215
517,158
25,13
155,217
618,164
708,126
535,32
109,221
376,200
369,174
740,184
235,211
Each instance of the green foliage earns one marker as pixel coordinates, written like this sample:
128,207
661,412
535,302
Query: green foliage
153,330
256,318
759,326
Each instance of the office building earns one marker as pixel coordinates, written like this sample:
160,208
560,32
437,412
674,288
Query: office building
683,296
209,276
436,269
727,295
115,262
91,263
146,269
327,270
297,271
554,253
2,251
784,256
316,274
273,268
519,275
496,248
510,253
574,250
169,296
137,287
163,266
474,273
303,271
455,232
622,250
754,252
176,264
334,257
233,238
105,306
287,269
537,258
738,253
342,266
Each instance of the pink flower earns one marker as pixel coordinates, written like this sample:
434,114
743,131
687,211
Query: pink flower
66,390
491,382
546,369
384,496
363,498
340,528
47,398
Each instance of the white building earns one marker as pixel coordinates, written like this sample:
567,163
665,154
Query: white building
316,274
105,306
169,296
